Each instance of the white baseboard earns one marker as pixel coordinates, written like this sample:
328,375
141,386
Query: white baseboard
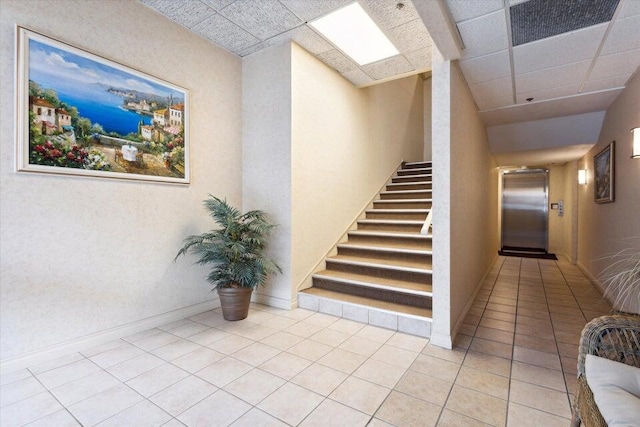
79,344
273,301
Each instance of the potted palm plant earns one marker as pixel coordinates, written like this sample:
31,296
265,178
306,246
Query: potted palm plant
236,253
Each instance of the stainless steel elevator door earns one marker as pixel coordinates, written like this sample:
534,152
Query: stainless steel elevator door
524,210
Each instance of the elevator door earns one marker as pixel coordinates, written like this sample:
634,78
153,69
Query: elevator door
524,210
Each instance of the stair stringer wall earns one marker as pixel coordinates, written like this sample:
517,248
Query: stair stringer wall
321,265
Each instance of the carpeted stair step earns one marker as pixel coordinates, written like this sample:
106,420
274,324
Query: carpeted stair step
404,225
412,178
402,204
378,269
413,214
414,171
387,255
390,239
405,194
399,186
416,165
394,291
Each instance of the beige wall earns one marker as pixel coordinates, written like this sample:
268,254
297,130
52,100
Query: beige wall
556,223
606,229
427,90
69,267
346,143
465,211
571,211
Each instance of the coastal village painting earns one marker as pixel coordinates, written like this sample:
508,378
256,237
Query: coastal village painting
85,115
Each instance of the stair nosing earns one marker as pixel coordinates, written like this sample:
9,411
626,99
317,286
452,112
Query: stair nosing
374,210
386,249
403,201
374,285
382,266
405,191
384,234
392,221
417,163
415,176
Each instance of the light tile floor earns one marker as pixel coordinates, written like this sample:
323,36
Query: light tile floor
514,364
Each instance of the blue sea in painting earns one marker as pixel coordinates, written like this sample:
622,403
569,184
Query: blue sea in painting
103,107
83,83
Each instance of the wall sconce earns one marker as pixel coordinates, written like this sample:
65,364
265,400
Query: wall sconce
582,176
635,147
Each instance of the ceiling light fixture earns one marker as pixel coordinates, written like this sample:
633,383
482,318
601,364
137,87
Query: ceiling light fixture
355,33
582,176
635,143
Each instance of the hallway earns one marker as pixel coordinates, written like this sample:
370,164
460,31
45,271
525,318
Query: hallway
514,364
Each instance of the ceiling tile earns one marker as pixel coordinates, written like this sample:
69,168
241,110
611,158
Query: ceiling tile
310,40
485,68
336,59
484,35
388,68
216,4
500,88
603,84
625,35
410,37
629,8
547,94
358,77
420,59
387,15
184,13
615,64
490,104
548,78
263,19
461,10
224,33
312,9
578,104
558,50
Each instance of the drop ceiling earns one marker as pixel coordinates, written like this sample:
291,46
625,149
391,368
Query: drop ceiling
247,26
575,72
539,74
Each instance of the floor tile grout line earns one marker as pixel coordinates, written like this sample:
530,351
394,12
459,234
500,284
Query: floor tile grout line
444,405
64,407
513,347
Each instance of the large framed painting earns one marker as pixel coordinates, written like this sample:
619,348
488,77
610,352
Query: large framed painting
604,175
81,114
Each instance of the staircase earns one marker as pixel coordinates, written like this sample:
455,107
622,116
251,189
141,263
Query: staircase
382,274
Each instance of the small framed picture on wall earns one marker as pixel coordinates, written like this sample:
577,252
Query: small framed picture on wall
604,174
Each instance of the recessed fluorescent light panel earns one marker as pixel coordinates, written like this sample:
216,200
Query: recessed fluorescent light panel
355,33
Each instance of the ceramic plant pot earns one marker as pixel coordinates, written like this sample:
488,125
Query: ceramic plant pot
235,302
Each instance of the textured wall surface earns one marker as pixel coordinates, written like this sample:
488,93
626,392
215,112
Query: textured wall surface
266,136
82,255
606,229
465,234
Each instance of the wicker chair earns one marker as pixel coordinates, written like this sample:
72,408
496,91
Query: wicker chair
615,337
